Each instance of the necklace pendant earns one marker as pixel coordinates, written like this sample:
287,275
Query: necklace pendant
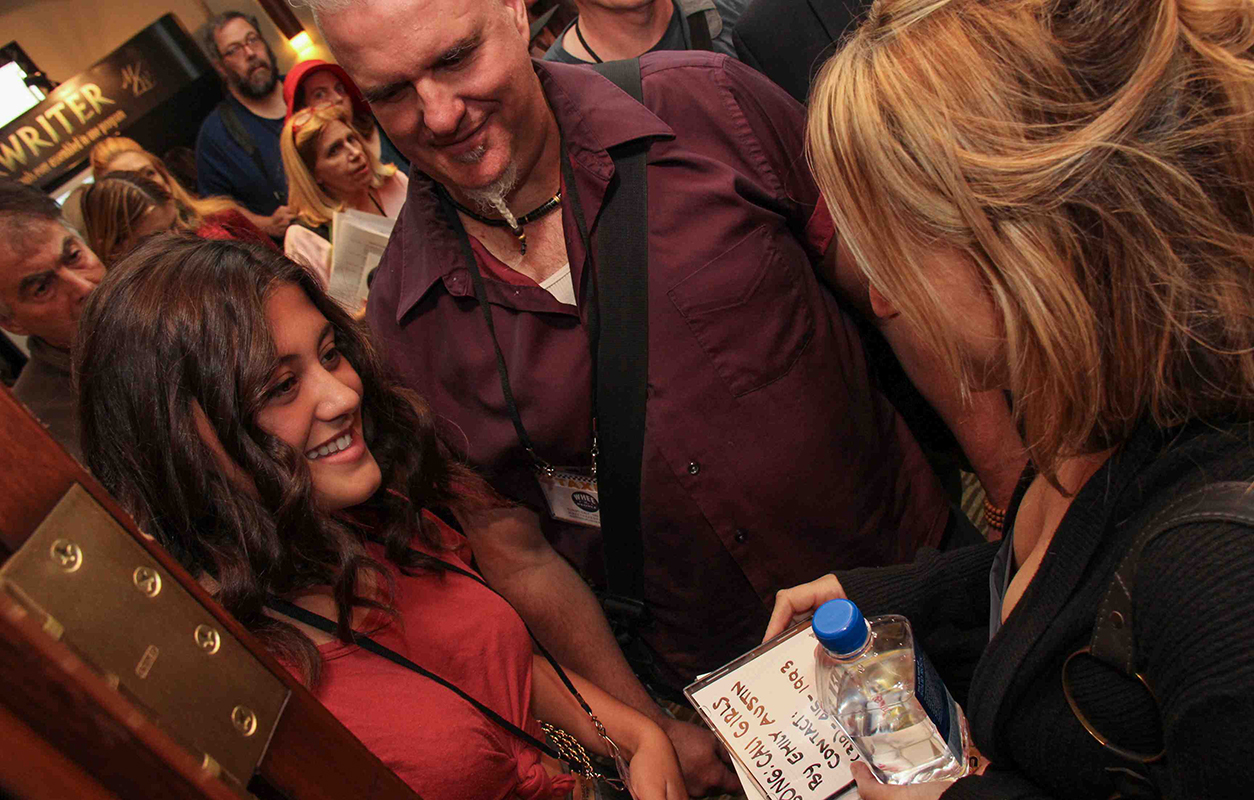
522,242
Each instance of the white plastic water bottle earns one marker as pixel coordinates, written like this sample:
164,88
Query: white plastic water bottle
881,688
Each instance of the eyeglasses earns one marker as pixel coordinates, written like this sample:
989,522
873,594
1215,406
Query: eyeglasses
300,119
253,42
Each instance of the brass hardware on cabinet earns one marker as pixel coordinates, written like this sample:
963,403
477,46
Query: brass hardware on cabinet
207,638
147,581
67,555
244,719
147,636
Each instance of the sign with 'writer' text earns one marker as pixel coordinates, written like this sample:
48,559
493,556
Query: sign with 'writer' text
55,137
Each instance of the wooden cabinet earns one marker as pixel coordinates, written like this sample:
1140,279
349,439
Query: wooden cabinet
120,676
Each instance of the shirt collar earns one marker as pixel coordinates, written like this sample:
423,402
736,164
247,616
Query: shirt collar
429,248
593,114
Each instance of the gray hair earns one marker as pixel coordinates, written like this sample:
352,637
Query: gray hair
324,6
210,38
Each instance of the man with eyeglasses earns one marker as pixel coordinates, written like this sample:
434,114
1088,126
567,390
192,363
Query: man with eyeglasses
237,151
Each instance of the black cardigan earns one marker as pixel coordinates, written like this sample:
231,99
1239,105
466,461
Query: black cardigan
1194,613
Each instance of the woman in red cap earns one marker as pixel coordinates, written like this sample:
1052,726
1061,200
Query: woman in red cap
315,82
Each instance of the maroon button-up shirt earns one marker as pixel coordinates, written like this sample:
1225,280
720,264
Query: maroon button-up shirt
769,459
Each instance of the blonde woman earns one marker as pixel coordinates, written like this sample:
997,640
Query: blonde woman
122,209
330,168
316,82
120,154
1059,196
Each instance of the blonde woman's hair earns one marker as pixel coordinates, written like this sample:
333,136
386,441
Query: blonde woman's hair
103,153
299,147
1092,159
116,203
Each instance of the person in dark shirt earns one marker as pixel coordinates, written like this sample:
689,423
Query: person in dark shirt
237,150
788,40
608,31
46,273
1059,194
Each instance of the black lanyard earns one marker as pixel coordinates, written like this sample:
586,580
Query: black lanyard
481,295
366,643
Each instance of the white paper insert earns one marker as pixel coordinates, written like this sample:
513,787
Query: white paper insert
359,241
765,709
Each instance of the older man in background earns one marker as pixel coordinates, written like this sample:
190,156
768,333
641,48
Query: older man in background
237,150
46,273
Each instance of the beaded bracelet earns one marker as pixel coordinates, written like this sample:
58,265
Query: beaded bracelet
994,517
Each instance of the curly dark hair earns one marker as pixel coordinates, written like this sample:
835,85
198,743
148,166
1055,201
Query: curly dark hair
176,335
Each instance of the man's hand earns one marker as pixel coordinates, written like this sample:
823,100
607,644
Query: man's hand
799,601
277,223
871,789
703,760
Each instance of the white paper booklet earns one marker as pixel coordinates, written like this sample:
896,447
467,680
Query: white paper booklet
359,239
764,708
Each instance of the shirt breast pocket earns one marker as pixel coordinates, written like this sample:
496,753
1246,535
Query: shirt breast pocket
748,309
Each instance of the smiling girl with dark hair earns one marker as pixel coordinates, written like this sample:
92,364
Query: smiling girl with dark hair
242,417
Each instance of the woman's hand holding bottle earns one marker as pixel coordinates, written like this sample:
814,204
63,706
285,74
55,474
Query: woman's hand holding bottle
791,604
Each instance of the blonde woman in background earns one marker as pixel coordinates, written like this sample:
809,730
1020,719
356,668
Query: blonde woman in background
120,154
316,82
1060,196
329,169
122,209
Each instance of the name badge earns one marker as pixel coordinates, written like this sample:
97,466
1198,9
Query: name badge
571,497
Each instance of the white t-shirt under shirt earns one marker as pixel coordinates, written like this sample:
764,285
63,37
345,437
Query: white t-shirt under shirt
560,285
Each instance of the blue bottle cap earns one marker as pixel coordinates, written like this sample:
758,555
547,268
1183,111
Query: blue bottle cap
839,626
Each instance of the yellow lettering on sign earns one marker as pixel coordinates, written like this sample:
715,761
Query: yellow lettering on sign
55,112
94,96
31,138
12,153
78,107
43,123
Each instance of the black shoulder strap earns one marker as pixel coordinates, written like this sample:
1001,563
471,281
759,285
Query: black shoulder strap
622,372
625,75
240,135
235,129
1112,641
328,626
366,643
699,31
